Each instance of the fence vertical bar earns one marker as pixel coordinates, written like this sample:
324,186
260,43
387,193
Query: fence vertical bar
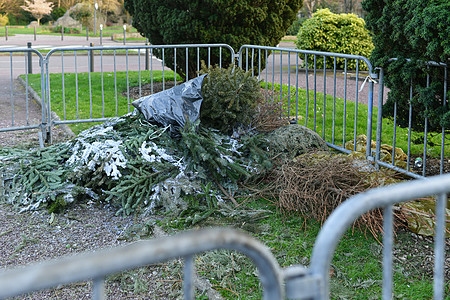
103,91
324,95
128,81
139,70
29,56
91,69
379,114
26,89
252,62
175,64
146,56
307,90
259,64
355,127
76,84
369,120
296,89
439,247
209,56
425,134
344,125
444,104
387,252
334,101
188,273
187,64
289,85
98,289
163,67
198,60
273,71
48,136
115,81
151,71
43,107
63,85
265,55
12,88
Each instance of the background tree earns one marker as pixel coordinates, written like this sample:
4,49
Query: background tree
418,30
234,22
38,8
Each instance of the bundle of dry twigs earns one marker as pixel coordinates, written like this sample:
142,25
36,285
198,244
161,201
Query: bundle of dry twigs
314,184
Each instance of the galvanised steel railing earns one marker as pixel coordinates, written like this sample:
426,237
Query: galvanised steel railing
283,67
422,166
283,70
295,282
15,62
110,60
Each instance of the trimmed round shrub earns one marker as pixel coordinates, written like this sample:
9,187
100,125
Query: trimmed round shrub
338,33
4,19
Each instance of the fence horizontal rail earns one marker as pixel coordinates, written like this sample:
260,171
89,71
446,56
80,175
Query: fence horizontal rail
344,216
97,265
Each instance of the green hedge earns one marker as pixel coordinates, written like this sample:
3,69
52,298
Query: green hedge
339,33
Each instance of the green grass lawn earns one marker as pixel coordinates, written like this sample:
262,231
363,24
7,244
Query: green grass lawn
356,268
47,30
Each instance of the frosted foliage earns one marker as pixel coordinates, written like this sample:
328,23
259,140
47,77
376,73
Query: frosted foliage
93,154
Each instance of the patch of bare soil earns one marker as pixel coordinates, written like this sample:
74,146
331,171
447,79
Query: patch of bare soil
31,237
145,90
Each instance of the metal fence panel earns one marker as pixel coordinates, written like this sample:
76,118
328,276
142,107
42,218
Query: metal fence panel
284,71
344,216
15,94
428,148
96,65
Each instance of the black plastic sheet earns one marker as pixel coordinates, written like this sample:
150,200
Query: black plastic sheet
174,106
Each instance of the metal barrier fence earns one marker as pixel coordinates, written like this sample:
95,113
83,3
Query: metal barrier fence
333,94
285,71
289,70
295,282
19,102
62,69
413,136
115,65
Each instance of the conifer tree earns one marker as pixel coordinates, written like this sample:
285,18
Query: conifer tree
234,22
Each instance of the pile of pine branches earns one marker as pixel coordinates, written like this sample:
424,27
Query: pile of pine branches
132,164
